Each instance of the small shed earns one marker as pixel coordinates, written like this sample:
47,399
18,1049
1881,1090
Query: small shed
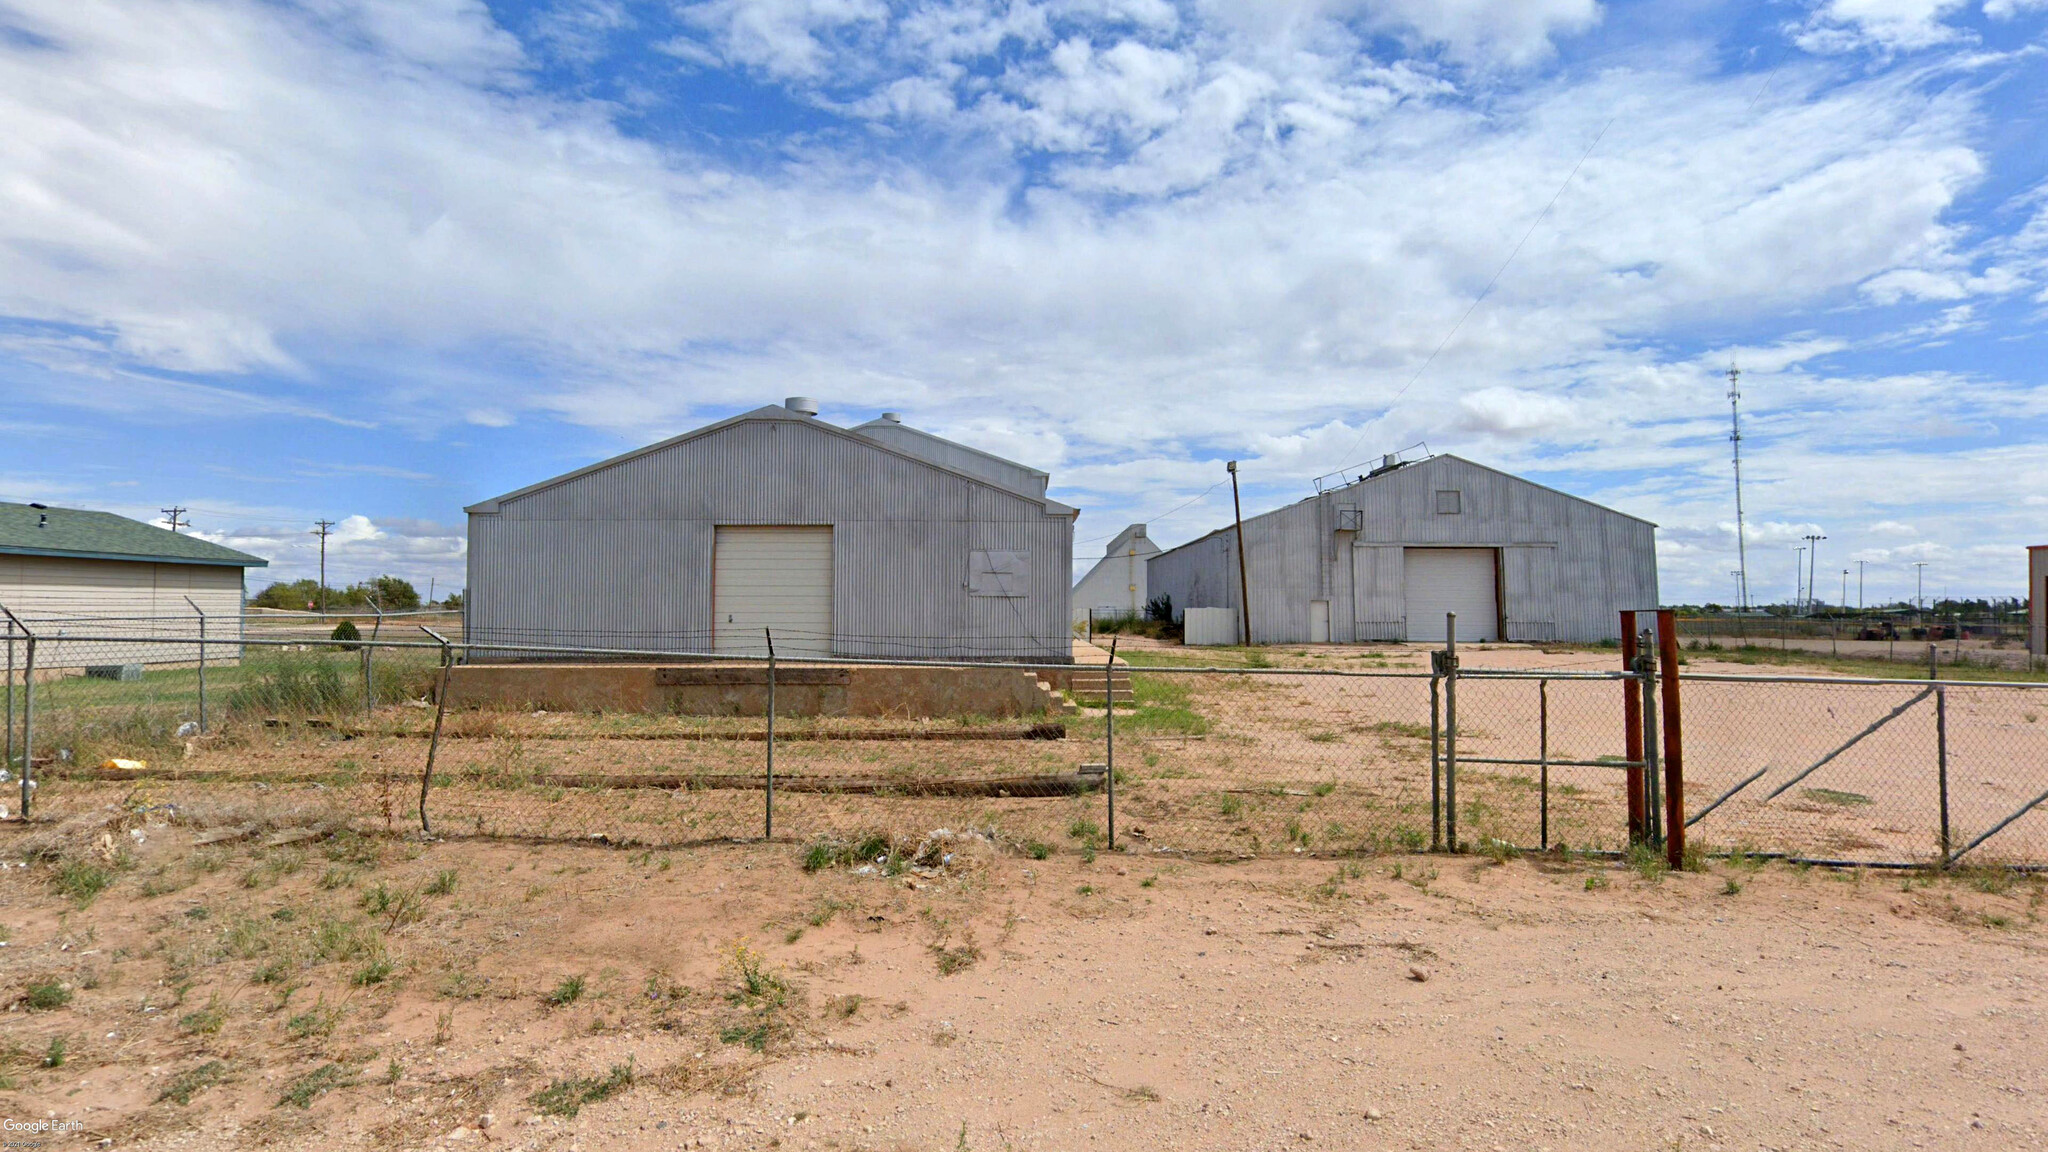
69,570
1386,556
879,540
1116,585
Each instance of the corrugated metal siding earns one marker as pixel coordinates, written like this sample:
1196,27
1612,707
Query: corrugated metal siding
621,557
1570,565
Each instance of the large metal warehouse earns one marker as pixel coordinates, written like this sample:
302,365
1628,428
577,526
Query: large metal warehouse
1386,556
1116,585
66,570
878,540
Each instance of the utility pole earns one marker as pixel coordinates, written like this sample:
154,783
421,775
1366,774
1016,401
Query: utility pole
1244,583
1919,585
325,529
1812,565
1738,582
1859,584
1845,590
1735,446
172,514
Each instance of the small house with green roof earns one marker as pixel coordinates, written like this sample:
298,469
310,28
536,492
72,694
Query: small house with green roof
68,571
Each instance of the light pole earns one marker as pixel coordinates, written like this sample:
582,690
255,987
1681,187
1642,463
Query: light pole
1919,585
1859,584
1812,565
1798,576
1845,591
1740,587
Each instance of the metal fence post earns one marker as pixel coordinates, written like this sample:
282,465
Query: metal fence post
1646,674
1674,742
1451,730
440,712
1632,732
369,692
1436,764
9,763
1109,739
1543,761
768,816
1940,752
28,706
202,664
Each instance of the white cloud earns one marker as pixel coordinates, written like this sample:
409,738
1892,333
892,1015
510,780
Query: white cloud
1887,25
1148,238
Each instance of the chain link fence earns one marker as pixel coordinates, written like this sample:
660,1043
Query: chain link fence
659,750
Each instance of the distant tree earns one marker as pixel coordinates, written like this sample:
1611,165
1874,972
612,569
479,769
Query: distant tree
292,595
452,601
390,593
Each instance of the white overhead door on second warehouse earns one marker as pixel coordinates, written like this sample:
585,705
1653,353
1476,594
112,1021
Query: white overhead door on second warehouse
1460,580
779,578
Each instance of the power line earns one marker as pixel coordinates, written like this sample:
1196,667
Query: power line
1163,515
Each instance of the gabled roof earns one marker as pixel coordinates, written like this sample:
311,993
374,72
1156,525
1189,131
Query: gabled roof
1375,477
26,530
1017,477
776,412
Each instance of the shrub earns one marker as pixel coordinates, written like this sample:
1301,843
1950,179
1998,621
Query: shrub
343,633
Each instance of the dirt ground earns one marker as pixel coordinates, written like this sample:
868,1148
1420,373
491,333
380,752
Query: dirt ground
347,992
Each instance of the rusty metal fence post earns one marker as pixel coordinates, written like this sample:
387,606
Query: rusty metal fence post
1674,742
1109,734
1632,732
440,712
768,815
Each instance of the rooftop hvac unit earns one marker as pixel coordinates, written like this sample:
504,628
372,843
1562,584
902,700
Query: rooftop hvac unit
1350,519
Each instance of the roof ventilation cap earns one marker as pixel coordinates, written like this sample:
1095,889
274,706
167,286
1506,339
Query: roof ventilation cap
801,405
893,417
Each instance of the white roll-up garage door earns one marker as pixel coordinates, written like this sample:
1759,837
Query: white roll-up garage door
778,578
1460,580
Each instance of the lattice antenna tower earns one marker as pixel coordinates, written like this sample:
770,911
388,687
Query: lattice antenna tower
1735,446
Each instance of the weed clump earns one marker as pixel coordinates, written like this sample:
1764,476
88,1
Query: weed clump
569,991
567,1097
192,1081
46,996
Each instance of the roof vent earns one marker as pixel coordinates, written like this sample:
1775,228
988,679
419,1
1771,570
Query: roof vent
893,417
801,405
37,506
42,520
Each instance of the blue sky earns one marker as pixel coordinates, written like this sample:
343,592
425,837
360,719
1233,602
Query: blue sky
372,260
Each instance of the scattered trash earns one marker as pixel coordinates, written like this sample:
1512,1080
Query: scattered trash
188,728
120,765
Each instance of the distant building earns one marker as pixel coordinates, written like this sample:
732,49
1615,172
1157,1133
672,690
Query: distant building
64,570
1116,585
878,540
1386,556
